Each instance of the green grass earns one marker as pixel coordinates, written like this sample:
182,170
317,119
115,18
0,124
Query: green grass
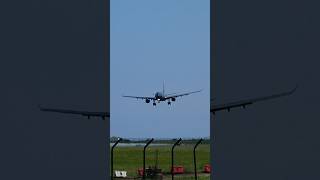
190,177
131,158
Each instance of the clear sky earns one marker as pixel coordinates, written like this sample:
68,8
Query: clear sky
152,42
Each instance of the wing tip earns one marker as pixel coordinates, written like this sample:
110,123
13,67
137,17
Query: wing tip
294,89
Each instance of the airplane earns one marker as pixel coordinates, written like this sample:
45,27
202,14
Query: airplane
161,96
88,114
213,108
243,103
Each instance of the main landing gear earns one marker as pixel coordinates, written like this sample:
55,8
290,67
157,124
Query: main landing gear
169,103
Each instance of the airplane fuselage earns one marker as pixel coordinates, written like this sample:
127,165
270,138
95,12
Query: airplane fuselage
159,96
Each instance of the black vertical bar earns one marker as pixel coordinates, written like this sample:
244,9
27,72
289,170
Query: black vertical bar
106,79
172,163
144,157
112,156
195,160
213,59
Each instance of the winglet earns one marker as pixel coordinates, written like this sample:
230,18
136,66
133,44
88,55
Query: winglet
198,90
294,89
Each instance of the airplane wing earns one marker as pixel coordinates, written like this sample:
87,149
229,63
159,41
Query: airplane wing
244,103
89,114
139,97
183,94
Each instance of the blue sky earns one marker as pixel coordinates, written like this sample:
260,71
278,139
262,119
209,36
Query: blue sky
156,41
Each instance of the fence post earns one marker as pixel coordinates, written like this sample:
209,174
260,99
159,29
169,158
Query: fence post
172,157
115,144
195,160
144,157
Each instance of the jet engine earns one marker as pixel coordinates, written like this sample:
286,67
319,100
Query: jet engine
173,99
147,100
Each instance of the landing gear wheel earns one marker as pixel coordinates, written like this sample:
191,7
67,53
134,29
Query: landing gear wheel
154,104
169,103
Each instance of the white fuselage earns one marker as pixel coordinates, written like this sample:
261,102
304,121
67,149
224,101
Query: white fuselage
159,96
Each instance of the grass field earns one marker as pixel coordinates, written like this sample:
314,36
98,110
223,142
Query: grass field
130,159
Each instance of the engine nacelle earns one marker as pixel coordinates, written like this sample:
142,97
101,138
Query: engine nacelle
173,99
147,100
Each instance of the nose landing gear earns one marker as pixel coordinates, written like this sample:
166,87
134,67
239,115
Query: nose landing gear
169,103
